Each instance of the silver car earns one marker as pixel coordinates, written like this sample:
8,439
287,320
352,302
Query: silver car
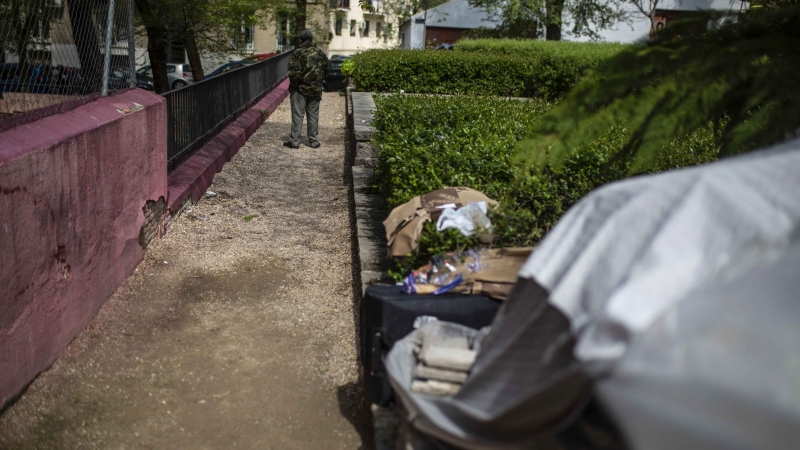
178,75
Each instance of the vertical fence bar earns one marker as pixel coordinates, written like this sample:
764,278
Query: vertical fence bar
131,47
109,35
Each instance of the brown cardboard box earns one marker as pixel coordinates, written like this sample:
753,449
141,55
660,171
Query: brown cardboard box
404,224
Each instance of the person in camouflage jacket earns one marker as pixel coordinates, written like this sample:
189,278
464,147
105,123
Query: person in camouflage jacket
308,66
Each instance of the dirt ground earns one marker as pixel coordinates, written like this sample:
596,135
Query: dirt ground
236,331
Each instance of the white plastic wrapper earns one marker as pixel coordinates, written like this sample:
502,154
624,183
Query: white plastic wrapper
468,219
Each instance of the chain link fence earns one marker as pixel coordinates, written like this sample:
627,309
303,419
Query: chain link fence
57,54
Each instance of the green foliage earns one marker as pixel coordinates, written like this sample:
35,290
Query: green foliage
426,143
587,51
516,19
347,67
546,72
740,77
400,10
524,19
215,26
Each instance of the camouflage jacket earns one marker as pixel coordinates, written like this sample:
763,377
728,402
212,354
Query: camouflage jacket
308,66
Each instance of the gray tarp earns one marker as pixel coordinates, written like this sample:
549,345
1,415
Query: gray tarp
616,262
721,368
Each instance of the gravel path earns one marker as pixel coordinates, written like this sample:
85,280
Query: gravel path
232,333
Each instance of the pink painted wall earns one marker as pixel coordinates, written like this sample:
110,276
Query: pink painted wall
72,189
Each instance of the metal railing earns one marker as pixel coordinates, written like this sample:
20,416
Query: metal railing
195,113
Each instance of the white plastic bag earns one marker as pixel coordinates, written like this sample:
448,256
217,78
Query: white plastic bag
468,219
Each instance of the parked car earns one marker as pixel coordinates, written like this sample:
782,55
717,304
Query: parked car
334,80
119,80
227,67
144,84
60,80
258,57
41,79
178,75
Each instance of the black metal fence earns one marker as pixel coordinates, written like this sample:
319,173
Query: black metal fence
196,112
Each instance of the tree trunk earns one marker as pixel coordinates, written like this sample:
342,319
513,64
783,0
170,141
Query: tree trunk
190,42
157,51
156,45
553,32
88,45
553,26
299,19
653,29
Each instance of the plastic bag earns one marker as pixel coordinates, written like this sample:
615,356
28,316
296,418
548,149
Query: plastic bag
443,273
468,220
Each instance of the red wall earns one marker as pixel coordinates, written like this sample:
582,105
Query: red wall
72,189
440,35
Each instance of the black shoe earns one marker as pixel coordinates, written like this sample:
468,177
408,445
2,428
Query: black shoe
315,145
289,144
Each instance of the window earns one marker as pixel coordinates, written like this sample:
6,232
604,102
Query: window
283,31
338,26
344,4
40,25
170,69
388,31
352,28
378,29
249,34
366,28
176,52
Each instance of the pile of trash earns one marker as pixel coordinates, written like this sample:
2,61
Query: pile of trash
491,272
487,271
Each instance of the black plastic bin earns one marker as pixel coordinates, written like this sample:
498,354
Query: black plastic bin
387,315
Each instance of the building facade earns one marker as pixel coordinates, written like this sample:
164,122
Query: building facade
640,29
354,29
52,41
444,24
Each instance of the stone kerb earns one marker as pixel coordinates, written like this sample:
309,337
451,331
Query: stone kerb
362,107
370,238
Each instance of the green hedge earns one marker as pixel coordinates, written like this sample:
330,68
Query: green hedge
588,51
426,143
543,70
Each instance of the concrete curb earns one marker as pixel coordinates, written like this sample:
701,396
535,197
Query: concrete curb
369,256
370,211
195,175
362,105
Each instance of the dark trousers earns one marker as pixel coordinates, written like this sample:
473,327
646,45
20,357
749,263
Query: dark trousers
302,105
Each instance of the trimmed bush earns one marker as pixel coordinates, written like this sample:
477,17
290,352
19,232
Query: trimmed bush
591,52
426,143
545,71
